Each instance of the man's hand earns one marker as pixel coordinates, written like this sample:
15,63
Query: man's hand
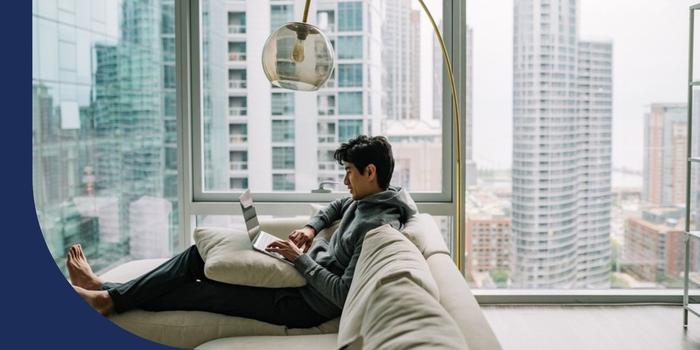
287,249
303,237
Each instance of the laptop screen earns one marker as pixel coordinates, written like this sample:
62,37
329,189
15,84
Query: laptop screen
249,215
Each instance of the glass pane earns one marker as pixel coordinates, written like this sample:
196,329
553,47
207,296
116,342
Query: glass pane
104,137
350,16
387,81
571,192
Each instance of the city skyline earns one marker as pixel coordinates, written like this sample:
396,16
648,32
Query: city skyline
647,71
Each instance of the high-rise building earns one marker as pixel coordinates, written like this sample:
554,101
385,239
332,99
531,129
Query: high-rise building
414,144
665,154
401,60
489,245
654,245
562,121
594,127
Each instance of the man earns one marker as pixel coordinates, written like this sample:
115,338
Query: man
327,266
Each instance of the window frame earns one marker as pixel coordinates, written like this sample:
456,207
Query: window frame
196,201
454,12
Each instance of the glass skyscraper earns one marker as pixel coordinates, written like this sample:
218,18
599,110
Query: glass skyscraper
104,128
562,124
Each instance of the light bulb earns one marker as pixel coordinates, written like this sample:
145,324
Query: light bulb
298,52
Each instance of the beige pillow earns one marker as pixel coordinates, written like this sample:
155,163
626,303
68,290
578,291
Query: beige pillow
402,315
229,258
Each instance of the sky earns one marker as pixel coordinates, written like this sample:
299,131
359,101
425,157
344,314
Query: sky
650,65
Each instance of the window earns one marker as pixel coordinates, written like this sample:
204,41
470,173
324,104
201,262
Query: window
348,129
238,160
326,104
283,182
282,131
282,103
236,23
280,15
349,75
238,183
282,158
238,133
326,20
608,221
237,78
103,130
237,51
350,103
237,106
349,47
350,16
326,132
287,131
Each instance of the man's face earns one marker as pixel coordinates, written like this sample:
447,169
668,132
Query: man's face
360,185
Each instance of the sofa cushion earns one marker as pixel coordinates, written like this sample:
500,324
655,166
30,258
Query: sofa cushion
460,303
187,329
229,258
422,230
386,253
390,324
298,342
130,270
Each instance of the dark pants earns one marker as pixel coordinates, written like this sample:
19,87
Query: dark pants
180,284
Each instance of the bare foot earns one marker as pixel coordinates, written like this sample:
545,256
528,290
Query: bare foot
97,299
79,270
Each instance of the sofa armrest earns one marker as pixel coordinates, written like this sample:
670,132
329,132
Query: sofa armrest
458,300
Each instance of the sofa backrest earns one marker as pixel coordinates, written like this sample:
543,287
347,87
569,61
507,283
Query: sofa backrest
386,255
422,230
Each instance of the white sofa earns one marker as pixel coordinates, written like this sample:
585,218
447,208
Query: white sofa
430,267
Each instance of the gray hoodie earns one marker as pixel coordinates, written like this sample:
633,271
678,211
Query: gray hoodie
328,267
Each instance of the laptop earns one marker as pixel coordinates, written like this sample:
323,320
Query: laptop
258,238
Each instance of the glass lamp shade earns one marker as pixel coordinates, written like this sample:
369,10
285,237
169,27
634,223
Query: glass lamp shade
298,56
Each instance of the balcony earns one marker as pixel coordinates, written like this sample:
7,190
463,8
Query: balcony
236,56
236,29
237,84
326,111
238,139
237,111
327,166
239,166
326,139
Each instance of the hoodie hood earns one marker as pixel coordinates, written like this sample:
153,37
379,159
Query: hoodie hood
394,197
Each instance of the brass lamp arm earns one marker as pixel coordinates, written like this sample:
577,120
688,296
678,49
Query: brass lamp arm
457,122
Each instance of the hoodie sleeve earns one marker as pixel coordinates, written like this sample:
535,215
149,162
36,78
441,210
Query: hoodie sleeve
328,215
334,288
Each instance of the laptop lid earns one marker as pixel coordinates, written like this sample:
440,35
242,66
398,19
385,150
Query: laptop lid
249,215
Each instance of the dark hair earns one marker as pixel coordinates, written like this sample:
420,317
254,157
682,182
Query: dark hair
363,151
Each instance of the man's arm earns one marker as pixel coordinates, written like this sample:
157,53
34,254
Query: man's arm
328,215
334,288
